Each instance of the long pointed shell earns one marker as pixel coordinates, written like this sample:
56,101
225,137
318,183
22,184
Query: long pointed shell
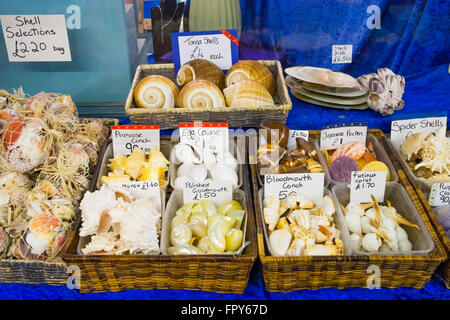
253,70
201,94
199,69
155,92
247,93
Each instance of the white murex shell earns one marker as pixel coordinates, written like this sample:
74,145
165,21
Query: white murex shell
385,90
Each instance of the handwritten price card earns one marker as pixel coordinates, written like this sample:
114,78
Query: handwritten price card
205,135
365,183
342,53
401,129
293,135
126,138
141,189
216,191
220,47
309,185
333,137
439,194
31,38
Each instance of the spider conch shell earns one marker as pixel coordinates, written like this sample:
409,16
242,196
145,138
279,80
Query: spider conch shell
413,144
199,69
253,70
155,92
247,93
385,90
201,94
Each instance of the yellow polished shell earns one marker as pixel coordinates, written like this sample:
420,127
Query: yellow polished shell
201,94
155,92
247,93
253,70
199,69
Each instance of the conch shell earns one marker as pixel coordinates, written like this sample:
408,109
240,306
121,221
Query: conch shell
413,143
199,69
155,92
253,70
201,94
385,91
247,93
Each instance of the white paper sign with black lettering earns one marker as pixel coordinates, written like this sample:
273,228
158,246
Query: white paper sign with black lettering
342,53
220,47
309,185
36,38
127,137
205,135
332,137
214,190
141,189
292,142
400,129
439,194
365,183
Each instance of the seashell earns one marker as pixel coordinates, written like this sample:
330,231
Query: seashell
224,173
405,245
341,169
295,158
209,158
233,240
184,153
134,163
253,70
180,182
313,166
204,244
183,249
198,173
180,234
306,147
271,202
353,221
413,143
155,92
201,94
227,159
229,206
274,132
371,242
269,155
302,218
322,250
304,203
271,218
247,93
279,242
356,240
354,150
282,223
150,172
238,215
184,169
385,91
208,206
297,248
217,231
116,176
199,69
328,207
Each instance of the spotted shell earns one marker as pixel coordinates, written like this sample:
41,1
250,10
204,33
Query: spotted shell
199,69
155,92
247,93
201,94
253,70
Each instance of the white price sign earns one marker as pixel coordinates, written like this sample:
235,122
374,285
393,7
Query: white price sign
142,189
127,137
401,129
293,135
342,53
32,38
440,194
216,191
309,185
331,138
205,135
365,183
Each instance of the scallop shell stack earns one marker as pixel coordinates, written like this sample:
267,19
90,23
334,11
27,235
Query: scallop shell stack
247,93
201,94
155,92
253,70
199,69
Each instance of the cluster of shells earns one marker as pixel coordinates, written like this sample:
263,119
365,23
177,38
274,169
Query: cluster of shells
248,83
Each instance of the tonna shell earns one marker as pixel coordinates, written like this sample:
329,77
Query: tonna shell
199,69
201,94
156,92
247,93
253,70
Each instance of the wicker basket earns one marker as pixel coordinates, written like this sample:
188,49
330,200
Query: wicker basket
285,274
215,273
236,117
52,272
421,190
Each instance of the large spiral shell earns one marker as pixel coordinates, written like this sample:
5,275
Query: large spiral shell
253,70
155,92
199,69
201,94
247,93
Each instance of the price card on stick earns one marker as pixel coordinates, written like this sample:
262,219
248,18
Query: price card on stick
332,137
365,183
34,38
309,185
440,194
401,129
127,137
141,189
214,190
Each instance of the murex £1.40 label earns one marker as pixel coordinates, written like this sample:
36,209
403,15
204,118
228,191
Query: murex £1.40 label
401,129
126,138
440,194
365,183
331,138
214,190
309,185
